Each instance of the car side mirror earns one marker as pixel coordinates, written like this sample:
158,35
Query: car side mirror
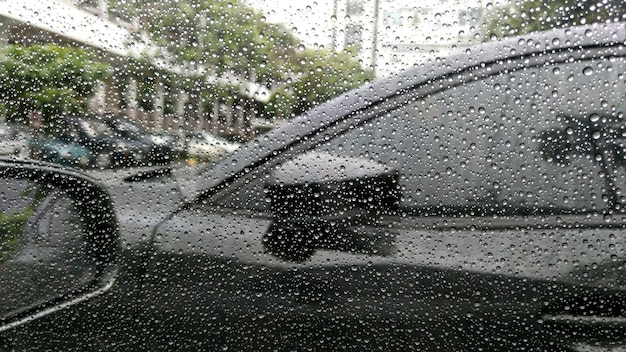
320,200
58,240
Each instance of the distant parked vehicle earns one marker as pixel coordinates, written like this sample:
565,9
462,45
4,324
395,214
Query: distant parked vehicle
205,146
175,140
156,147
13,141
61,152
108,148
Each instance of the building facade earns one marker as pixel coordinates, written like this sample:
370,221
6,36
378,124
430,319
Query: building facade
136,88
390,36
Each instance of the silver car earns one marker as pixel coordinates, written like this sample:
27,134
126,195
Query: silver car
13,141
205,146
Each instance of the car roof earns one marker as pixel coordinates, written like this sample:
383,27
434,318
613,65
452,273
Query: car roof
263,147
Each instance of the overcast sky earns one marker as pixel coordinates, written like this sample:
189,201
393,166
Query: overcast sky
309,19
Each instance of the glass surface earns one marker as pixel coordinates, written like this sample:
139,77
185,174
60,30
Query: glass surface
493,131
43,251
494,147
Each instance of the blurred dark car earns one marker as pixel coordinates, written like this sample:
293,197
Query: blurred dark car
108,148
473,203
176,140
157,148
61,152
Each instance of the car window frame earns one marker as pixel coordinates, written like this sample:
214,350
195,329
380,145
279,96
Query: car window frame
212,179
401,98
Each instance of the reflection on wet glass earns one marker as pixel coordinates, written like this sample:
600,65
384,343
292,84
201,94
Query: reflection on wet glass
507,153
43,252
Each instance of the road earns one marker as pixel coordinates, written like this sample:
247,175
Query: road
142,202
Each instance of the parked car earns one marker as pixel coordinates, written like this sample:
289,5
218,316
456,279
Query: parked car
157,148
61,152
108,148
176,141
13,141
469,204
205,146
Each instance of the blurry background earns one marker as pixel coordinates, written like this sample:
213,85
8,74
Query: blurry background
234,69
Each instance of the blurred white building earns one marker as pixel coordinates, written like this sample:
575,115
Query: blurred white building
389,35
137,93
397,34
83,23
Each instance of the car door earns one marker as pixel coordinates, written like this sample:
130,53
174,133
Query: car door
509,234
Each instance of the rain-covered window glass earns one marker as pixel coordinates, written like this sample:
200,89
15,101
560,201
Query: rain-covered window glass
540,140
363,175
43,254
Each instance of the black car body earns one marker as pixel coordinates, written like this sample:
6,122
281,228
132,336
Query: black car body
474,203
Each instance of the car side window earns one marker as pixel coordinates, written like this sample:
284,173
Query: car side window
546,139
539,140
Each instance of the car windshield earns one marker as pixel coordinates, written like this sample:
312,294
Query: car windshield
313,175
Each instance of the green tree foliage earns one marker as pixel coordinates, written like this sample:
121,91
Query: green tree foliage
318,77
228,40
11,226
223,37
525,16
47,78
